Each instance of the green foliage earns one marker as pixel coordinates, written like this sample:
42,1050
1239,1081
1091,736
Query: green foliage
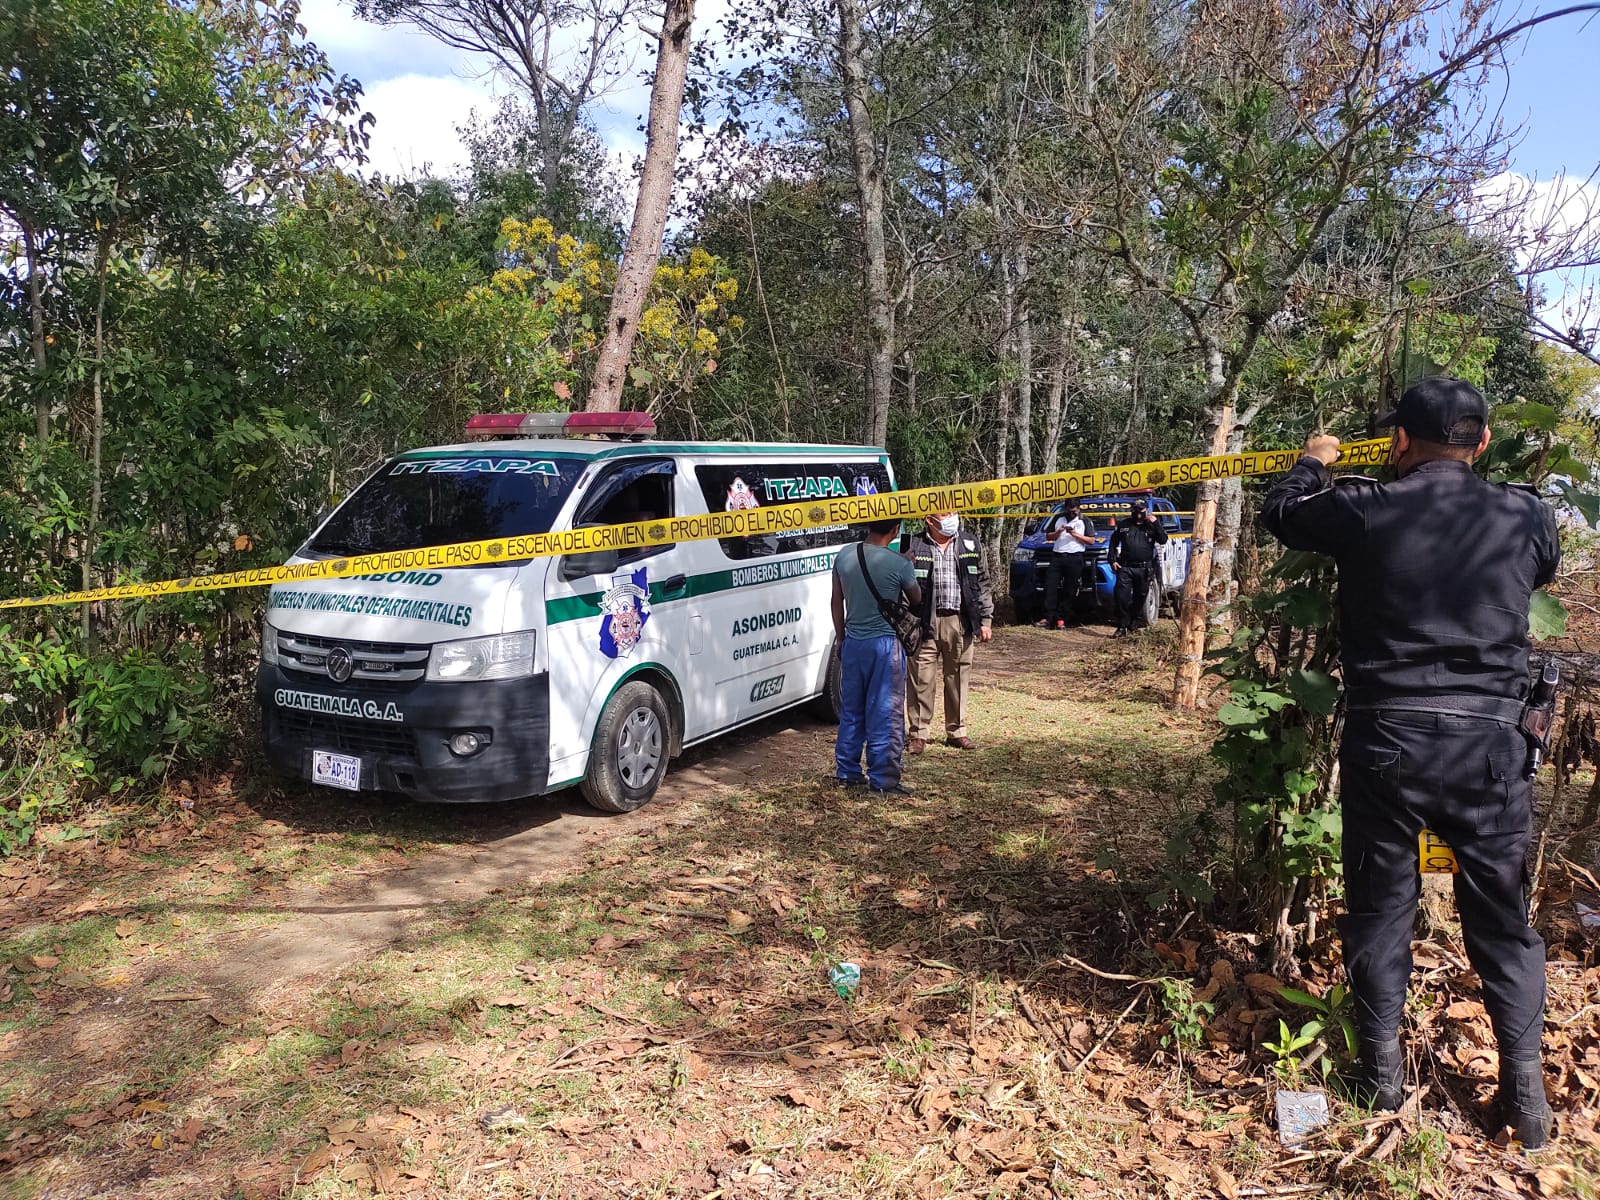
1187,1017
1276,743
1335,1013
1287,1050
1547,618
126,714
136,712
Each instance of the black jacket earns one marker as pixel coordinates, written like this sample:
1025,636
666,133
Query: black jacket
977,602
1436,571
1133,544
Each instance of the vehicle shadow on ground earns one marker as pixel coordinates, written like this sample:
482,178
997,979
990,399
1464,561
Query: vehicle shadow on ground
731,761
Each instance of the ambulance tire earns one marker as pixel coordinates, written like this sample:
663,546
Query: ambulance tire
632,742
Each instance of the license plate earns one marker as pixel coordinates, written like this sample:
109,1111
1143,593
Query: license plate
336,770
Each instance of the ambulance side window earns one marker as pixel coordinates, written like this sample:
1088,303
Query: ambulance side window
731,487
629,492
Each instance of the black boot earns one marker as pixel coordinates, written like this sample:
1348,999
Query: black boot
1381,1084
1522,1102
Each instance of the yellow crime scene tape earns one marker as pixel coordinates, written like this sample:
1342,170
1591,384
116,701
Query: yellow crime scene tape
1434,857
1015,492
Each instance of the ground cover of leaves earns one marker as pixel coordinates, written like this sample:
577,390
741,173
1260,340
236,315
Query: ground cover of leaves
653,1017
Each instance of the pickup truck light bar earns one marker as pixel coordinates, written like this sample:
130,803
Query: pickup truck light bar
630,426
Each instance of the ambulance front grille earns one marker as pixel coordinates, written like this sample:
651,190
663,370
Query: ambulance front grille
372,662
344,735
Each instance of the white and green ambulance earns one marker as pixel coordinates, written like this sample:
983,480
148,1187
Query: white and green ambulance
485,683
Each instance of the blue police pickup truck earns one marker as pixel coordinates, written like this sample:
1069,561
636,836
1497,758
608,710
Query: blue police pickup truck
1031,558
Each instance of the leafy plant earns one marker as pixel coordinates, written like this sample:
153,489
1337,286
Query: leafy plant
1276,748
1187,1016
1287,1049
1335,1012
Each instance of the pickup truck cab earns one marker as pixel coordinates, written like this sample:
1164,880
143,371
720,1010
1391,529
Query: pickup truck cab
496,680
1032,556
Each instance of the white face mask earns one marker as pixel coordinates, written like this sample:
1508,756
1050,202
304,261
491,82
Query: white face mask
949,525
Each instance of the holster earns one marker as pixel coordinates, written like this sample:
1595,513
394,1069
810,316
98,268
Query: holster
1537,721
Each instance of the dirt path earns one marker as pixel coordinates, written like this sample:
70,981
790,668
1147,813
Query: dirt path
335,925
523,842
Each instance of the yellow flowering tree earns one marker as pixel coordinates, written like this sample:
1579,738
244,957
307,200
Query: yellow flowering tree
560,285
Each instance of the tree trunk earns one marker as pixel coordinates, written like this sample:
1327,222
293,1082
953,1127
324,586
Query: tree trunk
97,425
649,211
1193,613
875,254
41,402
1224,577
1056,399
1004,399
1024,344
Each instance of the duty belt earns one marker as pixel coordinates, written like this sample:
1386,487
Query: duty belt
1483,708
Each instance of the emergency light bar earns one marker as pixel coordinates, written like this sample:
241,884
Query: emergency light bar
633,426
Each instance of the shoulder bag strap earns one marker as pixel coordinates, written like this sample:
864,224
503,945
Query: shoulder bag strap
861,557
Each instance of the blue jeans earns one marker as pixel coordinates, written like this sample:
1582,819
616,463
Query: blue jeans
873,713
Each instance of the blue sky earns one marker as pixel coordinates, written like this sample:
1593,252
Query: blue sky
1554,87
420,90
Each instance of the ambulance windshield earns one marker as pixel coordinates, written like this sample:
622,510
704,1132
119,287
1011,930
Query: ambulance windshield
416,502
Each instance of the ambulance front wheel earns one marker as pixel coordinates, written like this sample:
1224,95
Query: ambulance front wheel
631,745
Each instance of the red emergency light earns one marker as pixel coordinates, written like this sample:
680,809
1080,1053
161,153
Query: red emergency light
626,425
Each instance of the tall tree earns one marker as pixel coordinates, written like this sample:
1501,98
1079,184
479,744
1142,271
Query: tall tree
865,159
649,210
1227,138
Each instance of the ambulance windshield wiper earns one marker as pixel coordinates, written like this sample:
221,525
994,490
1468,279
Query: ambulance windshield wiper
338,549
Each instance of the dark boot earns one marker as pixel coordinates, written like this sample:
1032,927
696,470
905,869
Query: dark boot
1381,1083
1522,1102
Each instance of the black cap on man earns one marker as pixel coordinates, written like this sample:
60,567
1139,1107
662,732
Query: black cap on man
1441,410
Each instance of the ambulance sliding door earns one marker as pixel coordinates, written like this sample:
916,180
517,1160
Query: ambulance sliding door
770,626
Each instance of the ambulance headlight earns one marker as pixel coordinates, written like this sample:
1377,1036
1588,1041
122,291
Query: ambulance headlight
269,645
505,656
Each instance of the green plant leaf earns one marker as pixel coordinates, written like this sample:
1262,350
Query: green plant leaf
1315,691
1547,616
1588,503
1235,714
1296,996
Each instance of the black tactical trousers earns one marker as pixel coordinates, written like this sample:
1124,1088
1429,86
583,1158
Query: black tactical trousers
1133,590
1061,584
1465,779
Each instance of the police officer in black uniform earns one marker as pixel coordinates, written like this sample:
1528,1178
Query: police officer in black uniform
1132,554
1435,575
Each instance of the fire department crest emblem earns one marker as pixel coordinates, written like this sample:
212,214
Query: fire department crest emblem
625,608
740,496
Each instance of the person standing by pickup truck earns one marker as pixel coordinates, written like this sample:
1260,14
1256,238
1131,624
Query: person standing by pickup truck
1132,555
1069,556
1436,571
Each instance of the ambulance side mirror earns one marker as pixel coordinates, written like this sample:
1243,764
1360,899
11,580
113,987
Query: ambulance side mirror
592,562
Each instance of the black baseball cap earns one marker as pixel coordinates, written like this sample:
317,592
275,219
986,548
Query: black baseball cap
1436,409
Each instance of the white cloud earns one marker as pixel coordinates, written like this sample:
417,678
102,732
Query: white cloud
1553,228
374,53
419,90
416,121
